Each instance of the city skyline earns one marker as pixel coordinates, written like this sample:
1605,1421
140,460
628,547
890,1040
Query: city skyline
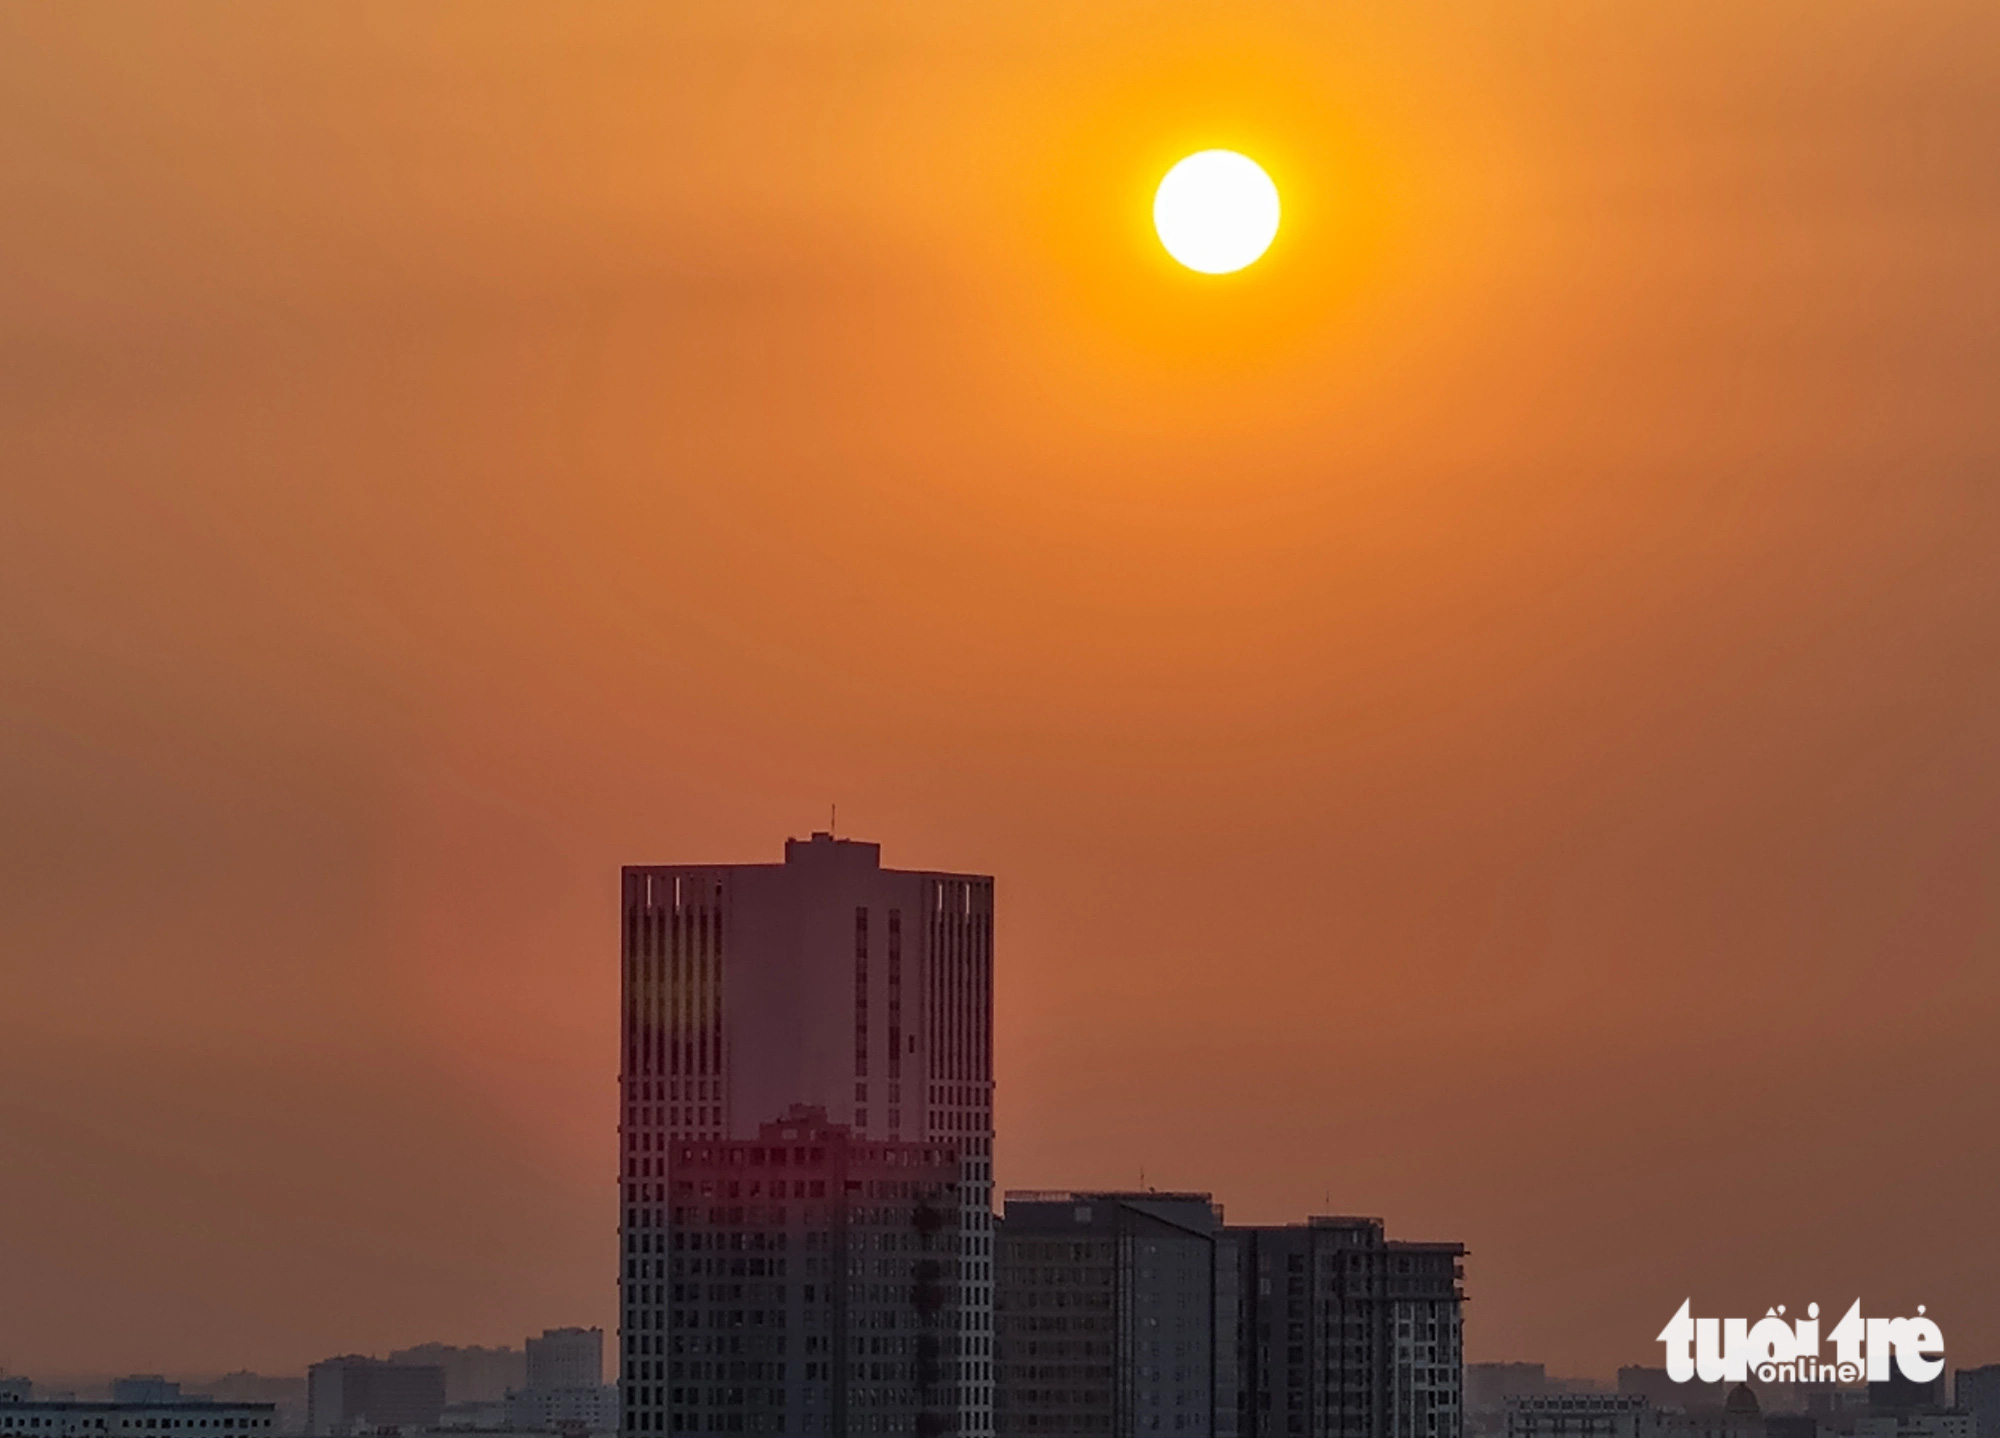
639,903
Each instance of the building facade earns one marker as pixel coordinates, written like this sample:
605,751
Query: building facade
565,1388
1581,1415
1928,1423
826,981
1342,1333
471,1374
1104,1314
1977,1391
565,1358
355,1394
168,1418
563,1410
810,1281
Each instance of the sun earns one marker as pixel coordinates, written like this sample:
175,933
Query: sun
1216,211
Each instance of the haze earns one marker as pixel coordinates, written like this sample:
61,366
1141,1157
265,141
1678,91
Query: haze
1493,727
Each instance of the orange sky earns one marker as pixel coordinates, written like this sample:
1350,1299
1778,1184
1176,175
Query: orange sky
1486,718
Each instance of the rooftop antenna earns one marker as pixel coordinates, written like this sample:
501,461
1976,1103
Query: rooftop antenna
832,820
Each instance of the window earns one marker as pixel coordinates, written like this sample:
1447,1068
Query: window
896,994
861,993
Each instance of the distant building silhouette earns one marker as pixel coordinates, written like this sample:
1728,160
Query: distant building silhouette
1657,1387
1489,1385
565,1358
287,1394
1897,1394
1632,1415
1740,1414
144,1388
1913,1423
1580,1415
1105,1314
828,981
582,1410
1832,1402
565,1388
354,1394
471,1374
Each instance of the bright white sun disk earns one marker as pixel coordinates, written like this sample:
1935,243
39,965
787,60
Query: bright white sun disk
1216,211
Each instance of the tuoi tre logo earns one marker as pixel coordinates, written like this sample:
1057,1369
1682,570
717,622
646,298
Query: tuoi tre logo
1729,1350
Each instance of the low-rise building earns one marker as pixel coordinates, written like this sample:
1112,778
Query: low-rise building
172,1418
1915,1423
1581,1415
582,1410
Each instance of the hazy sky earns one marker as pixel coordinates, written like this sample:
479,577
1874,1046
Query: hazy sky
1486,719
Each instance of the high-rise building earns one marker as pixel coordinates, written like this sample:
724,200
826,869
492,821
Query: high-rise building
1104,1314
826,981
353,1394
1341,1333
1129,1314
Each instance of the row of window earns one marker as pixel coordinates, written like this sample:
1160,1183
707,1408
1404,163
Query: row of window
647,930
1094,1276
861,994
68,1423
1066,1423
766,1226
652,1090
893,1155
1059,1397
1062,1298
725,1421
